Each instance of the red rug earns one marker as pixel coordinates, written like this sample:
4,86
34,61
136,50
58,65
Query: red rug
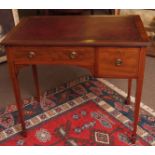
88,113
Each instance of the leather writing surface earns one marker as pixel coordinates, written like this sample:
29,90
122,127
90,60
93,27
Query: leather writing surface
76,29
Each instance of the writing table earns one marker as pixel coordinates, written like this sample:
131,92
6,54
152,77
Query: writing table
109,46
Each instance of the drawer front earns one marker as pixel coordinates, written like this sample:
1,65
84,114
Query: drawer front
118,62
65,55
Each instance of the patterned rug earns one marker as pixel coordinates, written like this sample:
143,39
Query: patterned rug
82,112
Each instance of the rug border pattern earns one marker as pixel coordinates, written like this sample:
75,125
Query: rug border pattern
33,122
124,94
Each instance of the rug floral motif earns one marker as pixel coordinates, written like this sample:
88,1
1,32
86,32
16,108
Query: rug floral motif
81,112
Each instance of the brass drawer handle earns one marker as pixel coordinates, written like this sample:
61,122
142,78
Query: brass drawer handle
31,54
118,62
73,55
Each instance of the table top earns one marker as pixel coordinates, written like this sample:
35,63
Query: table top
78,30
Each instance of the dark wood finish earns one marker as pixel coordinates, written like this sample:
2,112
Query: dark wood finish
139,81
14,77
36,81
108,46
118,62
79,30
129,92
66,55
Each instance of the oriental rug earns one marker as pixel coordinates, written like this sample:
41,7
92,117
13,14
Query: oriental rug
85,112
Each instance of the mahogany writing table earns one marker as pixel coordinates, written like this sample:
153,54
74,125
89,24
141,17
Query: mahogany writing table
109,46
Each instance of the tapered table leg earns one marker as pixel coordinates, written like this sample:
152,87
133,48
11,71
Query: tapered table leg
36,81
139,86
19,103
129,92
137,108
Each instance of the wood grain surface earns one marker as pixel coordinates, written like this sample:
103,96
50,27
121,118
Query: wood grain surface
79,30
